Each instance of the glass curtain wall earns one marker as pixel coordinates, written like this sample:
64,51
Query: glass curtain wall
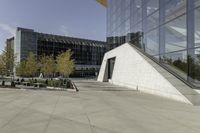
168,30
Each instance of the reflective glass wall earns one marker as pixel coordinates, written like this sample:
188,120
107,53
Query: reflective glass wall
168,30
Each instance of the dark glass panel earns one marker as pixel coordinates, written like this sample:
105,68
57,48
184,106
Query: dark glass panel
152,42
176,34
197,3
197,27
136,11
174,8
152,21
177,62
152,6
194,63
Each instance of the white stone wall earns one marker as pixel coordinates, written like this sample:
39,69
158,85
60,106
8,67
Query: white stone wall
133,71
198,91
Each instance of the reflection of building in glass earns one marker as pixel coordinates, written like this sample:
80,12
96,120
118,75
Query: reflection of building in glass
168,30
88,54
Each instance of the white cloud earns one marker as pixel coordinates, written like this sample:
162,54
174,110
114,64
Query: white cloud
64,30
7,28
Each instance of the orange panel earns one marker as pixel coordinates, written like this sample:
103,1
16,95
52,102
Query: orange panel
103,2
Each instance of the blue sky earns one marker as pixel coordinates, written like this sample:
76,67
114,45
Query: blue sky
77,18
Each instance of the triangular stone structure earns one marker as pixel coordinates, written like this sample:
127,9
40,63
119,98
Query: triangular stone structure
135,70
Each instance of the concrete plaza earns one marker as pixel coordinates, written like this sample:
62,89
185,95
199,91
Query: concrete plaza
96,108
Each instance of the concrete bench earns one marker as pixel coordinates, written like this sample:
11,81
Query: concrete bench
17,82
26,84
40,85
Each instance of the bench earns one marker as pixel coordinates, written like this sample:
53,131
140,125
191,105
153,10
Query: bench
40,85
26,84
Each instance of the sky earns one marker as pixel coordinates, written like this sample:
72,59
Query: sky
75,18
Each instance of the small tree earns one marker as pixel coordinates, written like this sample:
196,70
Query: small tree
47,65
3,70
21,69
65,65
31,65
9,53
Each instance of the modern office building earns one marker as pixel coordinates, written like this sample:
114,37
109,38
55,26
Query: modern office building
157,43
87,54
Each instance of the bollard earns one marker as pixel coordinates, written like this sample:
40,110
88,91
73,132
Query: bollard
12,84
3,83
137,88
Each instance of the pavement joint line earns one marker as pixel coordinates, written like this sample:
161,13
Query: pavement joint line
107,90
100,111
163,116
89,122
91,125
19,113
14,99
51,115
68,119
105,129
180,122
115,108
85,113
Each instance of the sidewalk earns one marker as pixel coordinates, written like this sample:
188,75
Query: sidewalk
96,108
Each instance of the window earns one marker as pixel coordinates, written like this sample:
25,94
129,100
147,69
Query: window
174,8
197,27
152,42
152,6
176,34
177,62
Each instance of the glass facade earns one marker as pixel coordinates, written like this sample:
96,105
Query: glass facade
25,42
168,30
87,54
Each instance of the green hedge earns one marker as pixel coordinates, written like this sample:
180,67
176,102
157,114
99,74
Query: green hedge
51,83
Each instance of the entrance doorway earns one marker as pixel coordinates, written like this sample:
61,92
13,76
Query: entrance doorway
111,63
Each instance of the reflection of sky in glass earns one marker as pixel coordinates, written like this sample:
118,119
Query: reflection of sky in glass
164,31
197,27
